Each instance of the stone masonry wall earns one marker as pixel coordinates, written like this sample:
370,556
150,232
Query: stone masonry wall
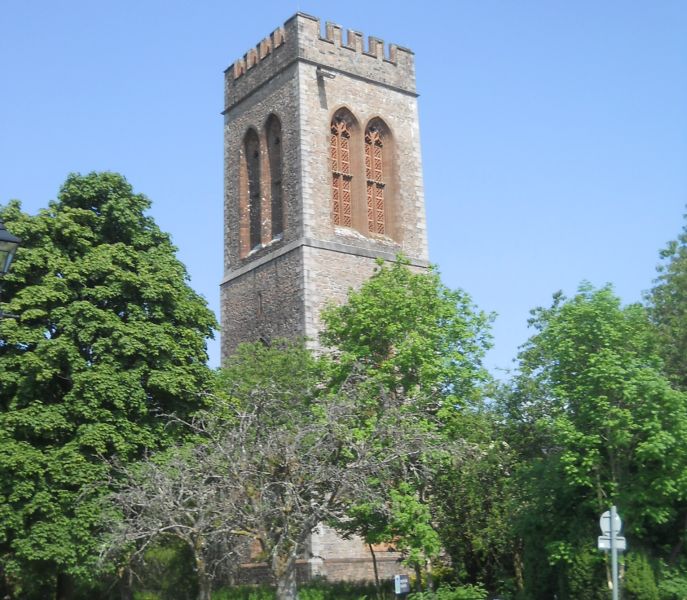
265,302
351,560
329,275
277,97
280,76
362,84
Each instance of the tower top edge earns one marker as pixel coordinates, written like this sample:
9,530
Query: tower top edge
302,33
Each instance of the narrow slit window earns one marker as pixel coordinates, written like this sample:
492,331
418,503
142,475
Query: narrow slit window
274,149
252,150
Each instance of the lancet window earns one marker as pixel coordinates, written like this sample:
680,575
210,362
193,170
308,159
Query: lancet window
375,175
363,174
342,129
274,150
252,161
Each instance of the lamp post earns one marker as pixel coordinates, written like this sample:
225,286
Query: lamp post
8,246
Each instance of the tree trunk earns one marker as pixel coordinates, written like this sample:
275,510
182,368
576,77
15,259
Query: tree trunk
65,587
430,575
126,577
284,571
418,578
519,566
5,587
204,587
374,567
204,580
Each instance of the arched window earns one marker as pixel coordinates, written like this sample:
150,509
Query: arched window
341,143
274,151
252,155
376,175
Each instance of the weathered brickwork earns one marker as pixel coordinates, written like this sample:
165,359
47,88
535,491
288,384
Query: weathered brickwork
276,284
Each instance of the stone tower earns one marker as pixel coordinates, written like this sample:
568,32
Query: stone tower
322,175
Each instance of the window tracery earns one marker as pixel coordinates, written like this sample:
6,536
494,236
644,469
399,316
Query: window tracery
342,176
375,178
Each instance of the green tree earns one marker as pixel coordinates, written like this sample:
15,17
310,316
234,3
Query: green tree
413,335
639,581
668,308
308,448
420,345
109,337
611,428
472,502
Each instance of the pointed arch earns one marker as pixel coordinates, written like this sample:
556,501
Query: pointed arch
274,155
344,132
378,171
251,149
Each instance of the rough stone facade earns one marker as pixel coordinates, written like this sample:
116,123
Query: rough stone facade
286,256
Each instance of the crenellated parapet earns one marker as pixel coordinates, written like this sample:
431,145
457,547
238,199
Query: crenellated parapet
376,48
260,52
302,38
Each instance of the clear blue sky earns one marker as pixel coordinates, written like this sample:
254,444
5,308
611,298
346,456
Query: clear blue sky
554,133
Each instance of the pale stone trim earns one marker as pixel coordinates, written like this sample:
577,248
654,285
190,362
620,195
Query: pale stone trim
321,245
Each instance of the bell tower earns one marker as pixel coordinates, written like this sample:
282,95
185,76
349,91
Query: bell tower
322,175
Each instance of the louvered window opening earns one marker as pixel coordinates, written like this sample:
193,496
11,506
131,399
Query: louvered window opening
340,154
374,173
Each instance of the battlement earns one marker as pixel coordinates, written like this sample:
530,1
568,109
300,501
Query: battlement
258,53
376,47
303,38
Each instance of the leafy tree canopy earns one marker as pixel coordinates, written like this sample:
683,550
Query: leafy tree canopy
413,333
421,346
668,308
109,335
615,429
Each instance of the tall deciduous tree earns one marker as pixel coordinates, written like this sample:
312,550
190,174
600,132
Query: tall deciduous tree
421,343
181,493
308,447
413,334
668,308
617,430
109,336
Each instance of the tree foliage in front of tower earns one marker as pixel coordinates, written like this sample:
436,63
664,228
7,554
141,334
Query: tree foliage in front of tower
597,423
413,336
109,336
280,452
420,343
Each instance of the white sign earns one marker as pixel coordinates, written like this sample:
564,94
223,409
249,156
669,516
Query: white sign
605,543
401,584
605,523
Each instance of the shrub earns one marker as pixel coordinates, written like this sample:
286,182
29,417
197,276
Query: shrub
640,583
586,575
446,592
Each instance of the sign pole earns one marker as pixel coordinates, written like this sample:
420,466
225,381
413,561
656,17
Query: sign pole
610,539
614,553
